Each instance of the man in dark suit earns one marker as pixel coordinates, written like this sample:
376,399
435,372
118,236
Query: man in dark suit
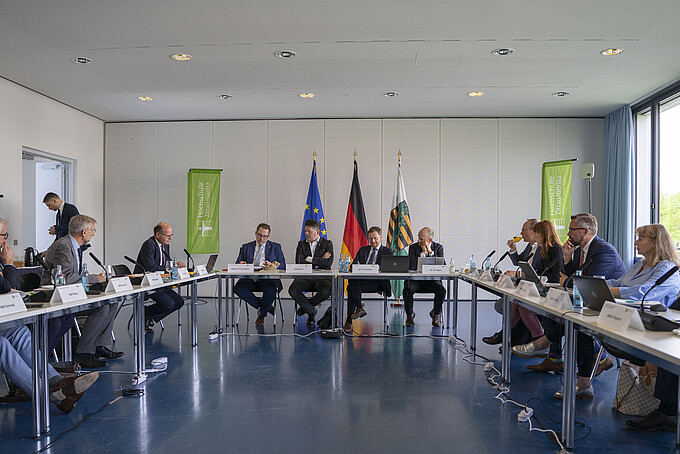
65,211
260,252
95,340
425,247
9,276
366,255
319,252
153,255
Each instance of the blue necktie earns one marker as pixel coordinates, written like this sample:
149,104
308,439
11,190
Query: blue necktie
371,258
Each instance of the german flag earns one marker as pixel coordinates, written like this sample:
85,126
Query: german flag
356,232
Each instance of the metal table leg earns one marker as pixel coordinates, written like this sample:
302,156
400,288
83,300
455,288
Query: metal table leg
194,313
677,420
138,317
569,396
35,368
473,318
44,382
219,304
445,320
507,330
232,300
67,346
454,312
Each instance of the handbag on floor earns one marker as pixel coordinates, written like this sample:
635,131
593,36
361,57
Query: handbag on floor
635,391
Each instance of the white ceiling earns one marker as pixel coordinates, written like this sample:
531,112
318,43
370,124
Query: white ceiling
432,52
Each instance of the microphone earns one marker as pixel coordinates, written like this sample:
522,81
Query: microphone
40,260
488,257
501,259
658,282
654,322
131,260
96,260
190,259
550,265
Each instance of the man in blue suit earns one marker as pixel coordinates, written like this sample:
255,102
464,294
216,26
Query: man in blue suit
260,252
366,255
65,211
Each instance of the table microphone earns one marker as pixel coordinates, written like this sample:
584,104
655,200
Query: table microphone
131,260
488,257
655,322
40,260
501,259
190,259
96,260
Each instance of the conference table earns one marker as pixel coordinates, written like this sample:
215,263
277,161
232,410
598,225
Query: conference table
37,319
660,348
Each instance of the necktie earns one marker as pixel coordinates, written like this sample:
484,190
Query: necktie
371,259
58,217
81,249
258,256
582,257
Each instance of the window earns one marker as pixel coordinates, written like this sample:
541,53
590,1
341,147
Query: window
669,164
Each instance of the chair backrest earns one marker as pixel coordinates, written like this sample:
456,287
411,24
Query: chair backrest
121,270
29,281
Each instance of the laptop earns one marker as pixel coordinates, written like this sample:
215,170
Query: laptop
429,261
594,292
394,264
211,263
531,276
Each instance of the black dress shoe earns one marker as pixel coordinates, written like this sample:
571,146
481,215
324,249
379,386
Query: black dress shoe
148,326
655,421
90,361
107,353
311,319
494,339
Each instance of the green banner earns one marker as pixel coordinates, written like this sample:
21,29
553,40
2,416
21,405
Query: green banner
203,211
556,195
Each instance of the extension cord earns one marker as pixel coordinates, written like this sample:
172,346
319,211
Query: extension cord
159,361
525,414
213,336
488,366
138,379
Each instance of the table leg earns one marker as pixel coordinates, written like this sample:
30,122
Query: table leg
232,300
194,313
67,346
35,368
473,318
454,313
219,304
44,382
677,420
138,323
445,320
569,391
507,334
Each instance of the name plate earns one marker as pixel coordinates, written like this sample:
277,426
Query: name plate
505,281
240,268
559,299
435,269
68,293
527,289
118,284
358,268
151,279
201,270
183,273
619,317
487,277
299,268
11,303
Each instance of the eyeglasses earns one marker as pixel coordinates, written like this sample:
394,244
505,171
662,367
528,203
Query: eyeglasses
166,235
5,235
577,228
91,230
259,235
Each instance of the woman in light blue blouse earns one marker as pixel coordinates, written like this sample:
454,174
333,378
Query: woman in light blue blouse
655,244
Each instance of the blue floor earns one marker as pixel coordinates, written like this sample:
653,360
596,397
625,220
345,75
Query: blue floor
249,393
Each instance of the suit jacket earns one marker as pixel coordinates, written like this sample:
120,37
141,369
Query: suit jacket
61,252
602,260
555,255
9,279
524,255
303,251
150,256
272,253
362,256
61,221
415,250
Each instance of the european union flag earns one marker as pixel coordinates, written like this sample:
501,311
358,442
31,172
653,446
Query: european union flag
313,208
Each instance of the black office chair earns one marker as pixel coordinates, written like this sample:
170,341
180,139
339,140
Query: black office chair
277,302
121,270
29,281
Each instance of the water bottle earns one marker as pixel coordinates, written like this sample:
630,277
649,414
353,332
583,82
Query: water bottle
467,266
486,264
346,263
83,277
472,262
341,264
174,273
578,301
452,267
59,278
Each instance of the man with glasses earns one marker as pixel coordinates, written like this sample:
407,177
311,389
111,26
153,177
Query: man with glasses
261,253
153,255
95,340
9,276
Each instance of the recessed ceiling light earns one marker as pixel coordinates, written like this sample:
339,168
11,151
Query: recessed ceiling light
306,95
611,52
502,51
476,93
145,98
390,94
285,54
224,96
81,60
561,94
181,57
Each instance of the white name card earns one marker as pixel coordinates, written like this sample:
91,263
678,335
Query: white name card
487,277
299,268
619,317
183,273
505,281
201,270
559,299
358,268
240,268
68,293
11,303
527,289
435,269
118,284
151,279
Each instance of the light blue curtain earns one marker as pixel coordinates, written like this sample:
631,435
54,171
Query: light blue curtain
618,226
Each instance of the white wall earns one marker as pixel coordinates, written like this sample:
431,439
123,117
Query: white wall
474,181
28,119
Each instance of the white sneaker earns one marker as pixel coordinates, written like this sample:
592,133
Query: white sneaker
529,351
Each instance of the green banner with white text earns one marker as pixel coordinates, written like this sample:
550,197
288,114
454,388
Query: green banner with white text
556,195
203,211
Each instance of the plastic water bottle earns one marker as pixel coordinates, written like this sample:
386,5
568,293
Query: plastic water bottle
486,264
472,262
83,277
59,278
578,301
347,263
452,266
174,273
341,264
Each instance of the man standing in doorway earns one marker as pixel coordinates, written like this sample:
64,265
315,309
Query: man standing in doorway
65,211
